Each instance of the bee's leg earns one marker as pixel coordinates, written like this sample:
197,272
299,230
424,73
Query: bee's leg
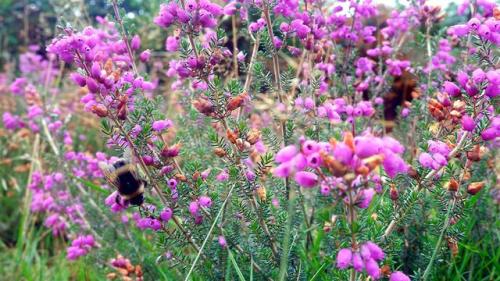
118,200
145,184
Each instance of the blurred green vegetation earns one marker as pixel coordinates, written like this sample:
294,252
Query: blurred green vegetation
36,22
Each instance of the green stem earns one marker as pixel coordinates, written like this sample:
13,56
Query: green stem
438,244
286,239
209,234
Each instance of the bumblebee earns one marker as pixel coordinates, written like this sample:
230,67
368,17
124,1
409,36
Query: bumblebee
123,176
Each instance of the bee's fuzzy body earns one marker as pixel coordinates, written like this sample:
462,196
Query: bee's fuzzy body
129,186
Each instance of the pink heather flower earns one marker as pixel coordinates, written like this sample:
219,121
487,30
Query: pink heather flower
135,43
284,170
166,214
325,190
344,258
451,89
161,125
194,208
399,276
222,176
222,241
310,146
145,55
425,160
11,122
172,43
343,153
205,201
313,160
205,174
286,154
366,197
148,160
468,123
375,251
394,164
405,112
372,268
366,146
357,262
306,179
230,8
478,76
78,79
172,183
473,23
249,175
490,134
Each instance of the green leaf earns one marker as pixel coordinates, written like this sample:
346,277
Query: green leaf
93,186
235,265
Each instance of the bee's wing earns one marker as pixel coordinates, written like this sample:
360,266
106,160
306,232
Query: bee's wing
128,154
108,172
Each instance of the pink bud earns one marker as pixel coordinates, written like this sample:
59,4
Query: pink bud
205,201
135,44
344,258
222,241
468,123
286,154
306,179
399,276
166,214
194,208
144,56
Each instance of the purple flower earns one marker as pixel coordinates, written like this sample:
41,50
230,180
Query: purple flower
222,176
357,262
425,160
366,196
222,241
343,153
145,55
135,43
166,214
366,146
372,268
306,179
284,170
194,208
205,201
468,123
286,154
490,134
451,89
399,276
394,164
375,251
344,258
172,43
161,125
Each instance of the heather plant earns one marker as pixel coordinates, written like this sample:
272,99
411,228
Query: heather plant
264,136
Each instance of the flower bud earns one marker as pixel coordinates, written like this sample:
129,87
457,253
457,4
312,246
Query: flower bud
468,123
204,106
394,193
148,160
253,136
236,102
261,193
475,187
99,110
232,136
452,185
219,151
